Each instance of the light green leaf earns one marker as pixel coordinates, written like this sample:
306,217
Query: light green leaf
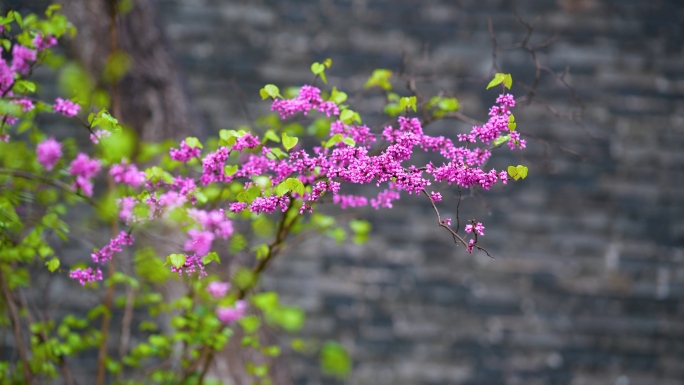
501,140
212,256
498,78
177,260
52,264
333,140
335,360
511,123
265,301
289,141
269,90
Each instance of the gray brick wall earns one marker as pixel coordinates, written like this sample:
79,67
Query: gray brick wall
588,282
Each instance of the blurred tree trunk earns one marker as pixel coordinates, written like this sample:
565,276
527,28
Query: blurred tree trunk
152,97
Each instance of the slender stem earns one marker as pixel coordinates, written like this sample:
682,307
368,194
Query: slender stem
16,328
49,181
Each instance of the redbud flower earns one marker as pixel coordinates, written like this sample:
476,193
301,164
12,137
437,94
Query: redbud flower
106,253
199,242
435,196
48,153
218,289
66,107
127,174
44,42
22,58
228,315
478,228
87,275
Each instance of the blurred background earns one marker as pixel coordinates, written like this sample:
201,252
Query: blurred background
587,284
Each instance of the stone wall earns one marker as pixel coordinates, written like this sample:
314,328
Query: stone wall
588,282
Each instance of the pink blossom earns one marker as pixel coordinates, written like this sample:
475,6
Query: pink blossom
435,196
66,107
99,134
127,174
26,104
22,57
228,315
218,289
126,206
447,221
106,253
199,242
185,153
48,153
478,228
4,138
84,167
88,275
42,42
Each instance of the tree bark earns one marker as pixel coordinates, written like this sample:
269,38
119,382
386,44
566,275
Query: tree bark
153,98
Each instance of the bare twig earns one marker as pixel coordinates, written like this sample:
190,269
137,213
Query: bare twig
16,329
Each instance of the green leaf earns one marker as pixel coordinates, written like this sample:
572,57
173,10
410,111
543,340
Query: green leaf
406,102
261,251
448,104
271,351
318,69
266,301
250,324
517,172
501,140
177,260
272,136
498,78
379,78
333,140
347,116
230,170
359,226
269,90
508,81
282,189
288,317
335,360
289,141
212,256
349,142
52,264
193,142
327,63
338,97
511,123
295,185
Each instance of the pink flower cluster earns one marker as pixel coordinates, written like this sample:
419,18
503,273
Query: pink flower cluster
185,153
218,289
309,98
229,315
48,153
42,42
84,168
86,275
478,228
66,107
101,256
126,173
324,170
